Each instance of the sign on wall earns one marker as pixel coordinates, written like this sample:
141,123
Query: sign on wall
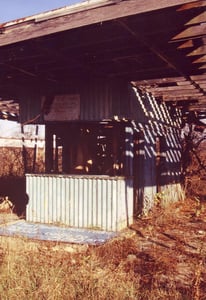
64,108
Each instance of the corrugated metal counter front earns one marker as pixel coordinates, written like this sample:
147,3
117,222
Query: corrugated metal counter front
100,202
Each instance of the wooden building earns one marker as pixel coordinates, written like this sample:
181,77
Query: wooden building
114,82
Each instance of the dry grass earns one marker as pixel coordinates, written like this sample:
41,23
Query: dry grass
162,257
42,273
196,172
13,164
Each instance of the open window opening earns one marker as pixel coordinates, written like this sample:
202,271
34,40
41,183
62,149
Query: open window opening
85,148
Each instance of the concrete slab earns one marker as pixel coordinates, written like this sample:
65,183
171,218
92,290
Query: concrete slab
55,233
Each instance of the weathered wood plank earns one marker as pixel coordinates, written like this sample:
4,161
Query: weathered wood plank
29,30
198,77
203,85
193,4
184,83
198,19
160,81
191,32
203,67
187,44
182,98
200,60
179,93
197,107
199,51
171,88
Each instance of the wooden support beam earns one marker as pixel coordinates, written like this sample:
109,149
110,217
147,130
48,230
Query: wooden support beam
21,70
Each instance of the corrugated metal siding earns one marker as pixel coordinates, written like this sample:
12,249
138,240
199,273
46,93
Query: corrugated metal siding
104,100
99,99
87,202
30,106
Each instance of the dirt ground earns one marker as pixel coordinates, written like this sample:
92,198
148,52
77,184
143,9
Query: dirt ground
173,240
169,243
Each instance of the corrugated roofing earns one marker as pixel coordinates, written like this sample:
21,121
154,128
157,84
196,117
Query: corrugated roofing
59,12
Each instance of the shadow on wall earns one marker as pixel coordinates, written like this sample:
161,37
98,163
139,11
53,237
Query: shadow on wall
15,188
157,138
157,150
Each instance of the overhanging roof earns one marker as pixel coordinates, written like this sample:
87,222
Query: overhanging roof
158,45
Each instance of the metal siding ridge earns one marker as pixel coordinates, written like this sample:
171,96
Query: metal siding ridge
96,202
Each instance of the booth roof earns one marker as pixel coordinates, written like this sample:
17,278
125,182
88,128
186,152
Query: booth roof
159,46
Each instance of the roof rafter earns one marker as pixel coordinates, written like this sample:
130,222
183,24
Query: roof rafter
162,56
